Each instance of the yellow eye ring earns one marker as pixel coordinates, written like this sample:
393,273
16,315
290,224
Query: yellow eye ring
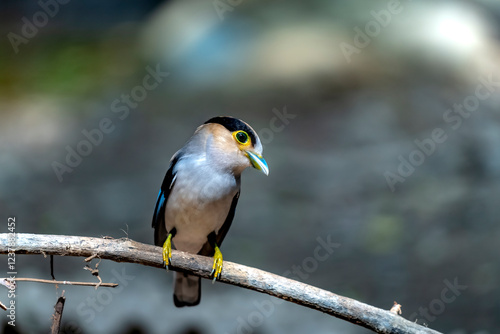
241,137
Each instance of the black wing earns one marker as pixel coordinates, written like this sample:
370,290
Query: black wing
161,204
229,219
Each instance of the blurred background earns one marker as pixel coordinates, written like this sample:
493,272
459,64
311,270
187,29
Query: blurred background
380,122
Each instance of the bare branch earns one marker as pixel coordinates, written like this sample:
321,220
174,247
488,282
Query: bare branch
126,250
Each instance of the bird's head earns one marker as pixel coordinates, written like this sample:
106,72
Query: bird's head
232,143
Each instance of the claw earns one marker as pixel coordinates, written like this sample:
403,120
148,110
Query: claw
217,267
167,250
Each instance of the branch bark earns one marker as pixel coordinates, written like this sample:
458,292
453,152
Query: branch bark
126,250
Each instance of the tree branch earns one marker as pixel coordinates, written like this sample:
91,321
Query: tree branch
126,250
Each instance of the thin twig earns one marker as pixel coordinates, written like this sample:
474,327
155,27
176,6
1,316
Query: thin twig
126,250
49,281
52,267
95,271
90,258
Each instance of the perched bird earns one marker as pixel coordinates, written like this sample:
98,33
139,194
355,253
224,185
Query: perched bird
198,197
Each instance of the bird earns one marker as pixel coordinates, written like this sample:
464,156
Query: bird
198,197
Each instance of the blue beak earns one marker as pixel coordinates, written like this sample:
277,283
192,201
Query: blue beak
258,162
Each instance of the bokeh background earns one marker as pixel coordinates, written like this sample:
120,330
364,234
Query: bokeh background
361,83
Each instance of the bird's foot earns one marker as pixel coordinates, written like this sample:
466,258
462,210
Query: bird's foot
217,267
167,251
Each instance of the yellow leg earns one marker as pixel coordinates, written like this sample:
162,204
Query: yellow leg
167,250
217,267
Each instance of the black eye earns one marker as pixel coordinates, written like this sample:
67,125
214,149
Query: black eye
241,137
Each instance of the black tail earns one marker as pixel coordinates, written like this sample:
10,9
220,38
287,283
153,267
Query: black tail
187,290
